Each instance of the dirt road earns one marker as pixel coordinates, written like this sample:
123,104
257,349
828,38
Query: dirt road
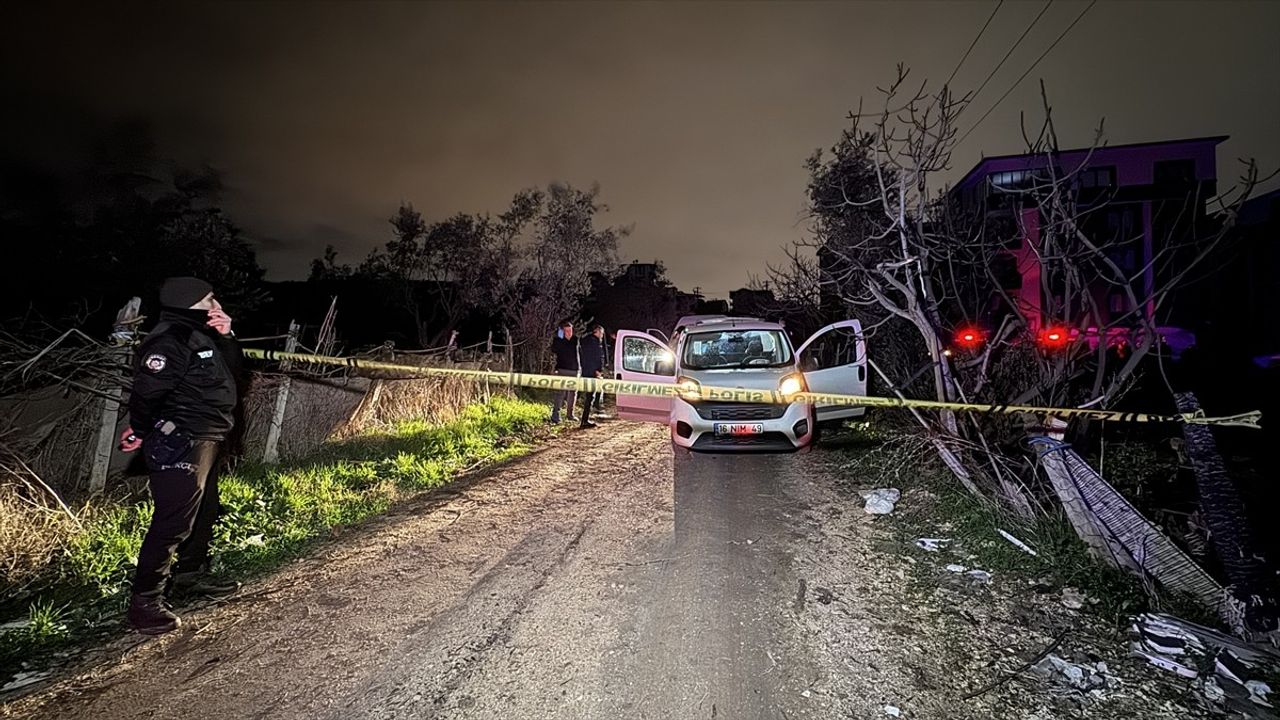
601,577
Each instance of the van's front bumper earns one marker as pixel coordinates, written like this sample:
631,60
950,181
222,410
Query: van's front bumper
786,427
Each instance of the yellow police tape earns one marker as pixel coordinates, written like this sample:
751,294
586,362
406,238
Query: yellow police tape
692,391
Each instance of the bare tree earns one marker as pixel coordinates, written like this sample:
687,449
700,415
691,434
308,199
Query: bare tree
900,254
550,245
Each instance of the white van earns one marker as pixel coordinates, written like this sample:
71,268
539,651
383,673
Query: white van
742,353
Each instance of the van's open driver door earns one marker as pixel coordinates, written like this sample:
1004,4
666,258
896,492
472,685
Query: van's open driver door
641,357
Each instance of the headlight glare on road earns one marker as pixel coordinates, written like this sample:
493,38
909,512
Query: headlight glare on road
792,384
689,389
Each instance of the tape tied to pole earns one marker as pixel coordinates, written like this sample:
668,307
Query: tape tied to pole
700,392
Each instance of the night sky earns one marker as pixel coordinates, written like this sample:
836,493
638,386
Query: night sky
694,118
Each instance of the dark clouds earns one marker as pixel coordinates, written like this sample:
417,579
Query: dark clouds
695,118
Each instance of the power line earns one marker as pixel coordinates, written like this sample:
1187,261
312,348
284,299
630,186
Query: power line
1022,37
1028,72
990,17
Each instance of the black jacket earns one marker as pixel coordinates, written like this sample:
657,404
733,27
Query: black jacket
591,350
185,372
566,352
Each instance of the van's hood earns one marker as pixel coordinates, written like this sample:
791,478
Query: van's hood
744,378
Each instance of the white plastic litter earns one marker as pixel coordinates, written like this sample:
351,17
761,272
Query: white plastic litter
1016,542
979,577
956,568
932,544
892,711
1072,598
881,500
1259,692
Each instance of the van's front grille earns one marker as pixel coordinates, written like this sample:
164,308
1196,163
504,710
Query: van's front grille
765,442
738,411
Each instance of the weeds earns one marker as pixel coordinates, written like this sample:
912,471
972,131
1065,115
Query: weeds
271,513
941,508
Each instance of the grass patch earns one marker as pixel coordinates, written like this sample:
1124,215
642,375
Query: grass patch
270,514
1062,559
943,508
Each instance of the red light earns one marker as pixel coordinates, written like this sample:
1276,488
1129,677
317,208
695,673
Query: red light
1054,338
970,338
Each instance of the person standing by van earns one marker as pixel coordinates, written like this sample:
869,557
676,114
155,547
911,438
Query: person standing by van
591,353
564,349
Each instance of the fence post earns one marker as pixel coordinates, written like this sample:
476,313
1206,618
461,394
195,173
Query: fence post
271,453
122,336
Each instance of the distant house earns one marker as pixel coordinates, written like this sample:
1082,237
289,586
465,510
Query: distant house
712,307
1146,194
749,302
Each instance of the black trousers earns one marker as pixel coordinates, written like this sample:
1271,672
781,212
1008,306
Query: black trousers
589,399
185,492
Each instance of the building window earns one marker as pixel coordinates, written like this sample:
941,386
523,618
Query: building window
1020,180
1010,180
1122,224
1099,177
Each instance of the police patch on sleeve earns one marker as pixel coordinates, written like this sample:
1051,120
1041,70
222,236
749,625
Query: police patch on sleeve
155,362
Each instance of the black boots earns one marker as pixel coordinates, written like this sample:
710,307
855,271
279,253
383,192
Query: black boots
201,583
148,615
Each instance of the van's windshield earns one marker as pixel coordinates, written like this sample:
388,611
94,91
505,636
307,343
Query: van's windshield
736,349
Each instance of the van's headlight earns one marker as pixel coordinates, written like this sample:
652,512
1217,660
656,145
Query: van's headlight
689,389
792,384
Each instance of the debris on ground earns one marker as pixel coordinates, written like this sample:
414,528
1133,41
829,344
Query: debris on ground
1236,681
892,711
881,500
1084,677
1072,599
23,679
1017,543
978,577
932,544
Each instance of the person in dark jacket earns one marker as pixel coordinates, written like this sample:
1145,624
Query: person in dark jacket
591,352
565,351
181,410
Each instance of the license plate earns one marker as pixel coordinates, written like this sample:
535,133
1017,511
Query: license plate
739,428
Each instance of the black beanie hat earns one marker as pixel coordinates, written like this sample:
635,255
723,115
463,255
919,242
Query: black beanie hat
183,292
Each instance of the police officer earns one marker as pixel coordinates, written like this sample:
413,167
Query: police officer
181,409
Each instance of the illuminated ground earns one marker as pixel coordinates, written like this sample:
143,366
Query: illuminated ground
603,577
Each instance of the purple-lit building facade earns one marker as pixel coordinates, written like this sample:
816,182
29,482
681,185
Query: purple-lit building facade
1145,194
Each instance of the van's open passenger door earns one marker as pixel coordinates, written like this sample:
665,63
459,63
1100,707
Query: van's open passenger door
640,357
834,360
